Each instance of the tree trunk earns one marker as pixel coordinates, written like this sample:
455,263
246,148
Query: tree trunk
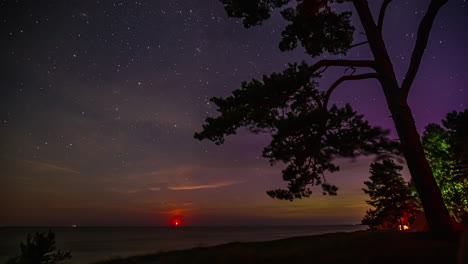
421,173
436,213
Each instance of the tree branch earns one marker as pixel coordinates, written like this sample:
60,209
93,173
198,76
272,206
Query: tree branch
318,101
421,43
346,78
383,8
358,44
346,63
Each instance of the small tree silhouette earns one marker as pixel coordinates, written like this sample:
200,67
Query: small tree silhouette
40,249
390,195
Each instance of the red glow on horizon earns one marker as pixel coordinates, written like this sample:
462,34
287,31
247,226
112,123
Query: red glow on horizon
176,222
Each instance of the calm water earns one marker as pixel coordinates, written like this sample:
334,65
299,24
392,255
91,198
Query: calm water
88,244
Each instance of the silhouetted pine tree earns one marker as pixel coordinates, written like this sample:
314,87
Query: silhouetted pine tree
307,132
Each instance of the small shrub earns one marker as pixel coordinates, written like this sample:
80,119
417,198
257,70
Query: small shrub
40,249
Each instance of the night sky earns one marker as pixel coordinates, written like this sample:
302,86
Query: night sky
99,101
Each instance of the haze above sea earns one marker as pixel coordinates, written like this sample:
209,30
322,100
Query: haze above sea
90,244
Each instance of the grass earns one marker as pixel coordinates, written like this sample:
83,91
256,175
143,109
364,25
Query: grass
356,247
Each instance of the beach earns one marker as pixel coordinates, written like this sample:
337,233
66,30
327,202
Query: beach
91,244
354,247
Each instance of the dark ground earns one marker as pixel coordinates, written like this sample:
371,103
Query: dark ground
356,247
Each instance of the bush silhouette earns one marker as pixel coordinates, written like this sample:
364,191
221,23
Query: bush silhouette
40,249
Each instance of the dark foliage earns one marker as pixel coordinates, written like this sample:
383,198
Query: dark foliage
252,12
297,115
311,23
40,249
456,124
390,196
306,136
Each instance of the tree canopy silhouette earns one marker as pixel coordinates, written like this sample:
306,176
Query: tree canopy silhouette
307,132
390,195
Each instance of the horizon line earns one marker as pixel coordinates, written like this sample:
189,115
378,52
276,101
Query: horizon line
156,226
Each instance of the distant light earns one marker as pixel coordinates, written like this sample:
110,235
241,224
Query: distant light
74,226
176,222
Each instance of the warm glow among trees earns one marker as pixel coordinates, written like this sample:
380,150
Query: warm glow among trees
391,197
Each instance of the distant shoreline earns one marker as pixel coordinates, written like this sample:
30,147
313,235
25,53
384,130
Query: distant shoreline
185,226
353,247
88,244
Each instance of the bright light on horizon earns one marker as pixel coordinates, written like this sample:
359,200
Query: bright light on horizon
177,221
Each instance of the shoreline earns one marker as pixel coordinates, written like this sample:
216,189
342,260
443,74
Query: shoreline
184,226
341,247
91,244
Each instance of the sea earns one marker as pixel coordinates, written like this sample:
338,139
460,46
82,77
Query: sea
91,244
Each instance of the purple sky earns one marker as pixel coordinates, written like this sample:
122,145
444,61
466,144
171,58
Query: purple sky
99,101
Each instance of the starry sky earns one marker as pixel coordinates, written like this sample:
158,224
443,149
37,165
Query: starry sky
99,101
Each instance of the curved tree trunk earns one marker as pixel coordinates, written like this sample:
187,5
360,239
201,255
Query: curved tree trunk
434,208
421,173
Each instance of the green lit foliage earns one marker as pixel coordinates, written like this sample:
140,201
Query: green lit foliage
40,249
446,149
306,135
390,196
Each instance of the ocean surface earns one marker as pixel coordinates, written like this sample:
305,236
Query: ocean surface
90,244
